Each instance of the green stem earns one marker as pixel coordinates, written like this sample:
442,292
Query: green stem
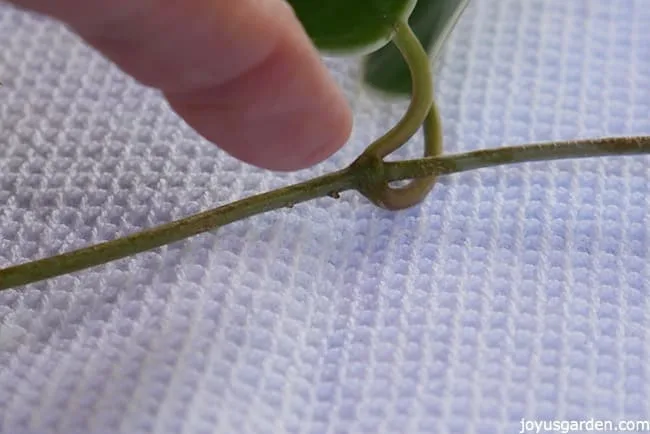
422,108
587,148
331,184
422,93
399,198
99,254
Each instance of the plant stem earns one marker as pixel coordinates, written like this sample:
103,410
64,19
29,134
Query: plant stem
422,108
447,164
399,198
330,184
422,93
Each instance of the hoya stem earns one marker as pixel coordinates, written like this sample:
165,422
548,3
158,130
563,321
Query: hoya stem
447,164
422,108
23,274
331,184
417,60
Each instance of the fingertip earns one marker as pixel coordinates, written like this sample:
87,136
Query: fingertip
287,141
285,114
334,136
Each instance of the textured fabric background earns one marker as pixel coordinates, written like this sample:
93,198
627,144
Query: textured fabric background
511,292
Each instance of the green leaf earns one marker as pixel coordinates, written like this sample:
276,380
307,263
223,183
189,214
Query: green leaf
351,26
432,21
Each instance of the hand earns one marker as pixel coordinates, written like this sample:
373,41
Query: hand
243,73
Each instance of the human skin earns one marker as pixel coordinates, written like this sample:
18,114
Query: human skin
242,73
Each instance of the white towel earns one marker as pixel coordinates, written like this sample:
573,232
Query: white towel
514,292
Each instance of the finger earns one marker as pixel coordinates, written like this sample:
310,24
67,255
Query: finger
242,73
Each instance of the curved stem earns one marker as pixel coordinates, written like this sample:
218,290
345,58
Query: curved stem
99,254
398,198
422,108
587,148
422,94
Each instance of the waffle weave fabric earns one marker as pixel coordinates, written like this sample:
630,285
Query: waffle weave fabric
514,292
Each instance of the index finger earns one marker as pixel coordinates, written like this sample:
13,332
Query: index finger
242,73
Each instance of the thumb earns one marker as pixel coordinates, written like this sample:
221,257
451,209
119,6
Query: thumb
242,73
